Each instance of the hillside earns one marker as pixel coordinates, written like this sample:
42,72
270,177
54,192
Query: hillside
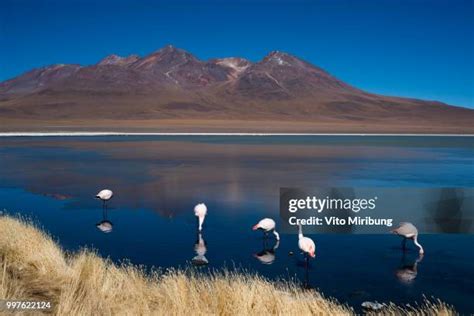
171,90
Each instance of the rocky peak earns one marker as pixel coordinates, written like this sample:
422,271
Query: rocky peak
167,57
118,60
235,65
279,58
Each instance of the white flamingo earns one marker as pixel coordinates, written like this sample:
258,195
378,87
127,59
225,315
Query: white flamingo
105,225
200,210
267,225
408,231
306,244
104,195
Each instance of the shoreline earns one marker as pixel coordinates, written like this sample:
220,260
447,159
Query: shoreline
95,134
219,127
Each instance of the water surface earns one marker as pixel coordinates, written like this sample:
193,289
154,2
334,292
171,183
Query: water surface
157,180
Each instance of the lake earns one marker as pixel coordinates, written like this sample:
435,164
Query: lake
157,180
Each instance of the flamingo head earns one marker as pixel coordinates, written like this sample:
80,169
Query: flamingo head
312,254
255,227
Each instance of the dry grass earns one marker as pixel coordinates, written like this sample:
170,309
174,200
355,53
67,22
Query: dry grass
34,267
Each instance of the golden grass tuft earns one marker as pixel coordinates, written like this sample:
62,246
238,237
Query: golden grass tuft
34,267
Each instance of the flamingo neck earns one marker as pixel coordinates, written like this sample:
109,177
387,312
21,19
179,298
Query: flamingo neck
418,260
277,244
201,221
415,241
277,235
300,232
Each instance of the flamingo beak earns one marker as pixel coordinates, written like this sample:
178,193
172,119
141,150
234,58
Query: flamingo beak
255,227
312,254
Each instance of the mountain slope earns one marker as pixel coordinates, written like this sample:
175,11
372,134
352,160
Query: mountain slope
173,84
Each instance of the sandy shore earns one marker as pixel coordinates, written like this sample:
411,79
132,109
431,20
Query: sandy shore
112,133
230,126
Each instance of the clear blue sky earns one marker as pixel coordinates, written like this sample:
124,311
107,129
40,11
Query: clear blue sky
414,48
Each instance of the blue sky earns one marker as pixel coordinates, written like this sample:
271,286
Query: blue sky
413,48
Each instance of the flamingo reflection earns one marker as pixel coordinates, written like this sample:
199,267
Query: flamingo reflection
308,248
407,273
105,225
267,255
305,264
200,248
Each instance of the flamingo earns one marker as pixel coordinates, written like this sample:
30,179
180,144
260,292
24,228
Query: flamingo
105,225
408,231
200,210
306,244
267,225
104,195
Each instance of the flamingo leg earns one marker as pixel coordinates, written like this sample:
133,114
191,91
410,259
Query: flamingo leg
404,244
306,270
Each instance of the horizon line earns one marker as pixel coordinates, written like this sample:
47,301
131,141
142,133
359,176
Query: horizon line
92,134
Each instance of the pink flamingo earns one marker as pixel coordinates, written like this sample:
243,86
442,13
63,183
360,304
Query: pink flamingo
306,244
267,225
200,210
104,196
408,231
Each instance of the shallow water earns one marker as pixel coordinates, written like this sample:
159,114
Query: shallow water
157,181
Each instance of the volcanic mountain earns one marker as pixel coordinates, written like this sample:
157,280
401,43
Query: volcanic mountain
172,88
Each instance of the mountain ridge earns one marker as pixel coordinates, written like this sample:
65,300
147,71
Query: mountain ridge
168,57
171,83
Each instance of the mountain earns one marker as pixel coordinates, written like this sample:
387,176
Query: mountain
172,84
